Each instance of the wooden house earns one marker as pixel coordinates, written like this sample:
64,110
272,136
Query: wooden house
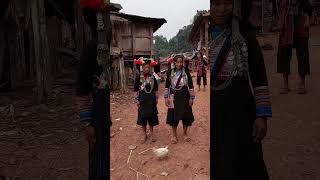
38,39
132,38
199,35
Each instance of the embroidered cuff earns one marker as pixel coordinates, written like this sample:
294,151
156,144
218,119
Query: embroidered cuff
85,116
263,104
264,112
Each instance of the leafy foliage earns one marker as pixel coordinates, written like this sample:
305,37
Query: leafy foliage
177,44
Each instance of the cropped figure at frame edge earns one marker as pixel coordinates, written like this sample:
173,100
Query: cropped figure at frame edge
239,94
93,100
293,33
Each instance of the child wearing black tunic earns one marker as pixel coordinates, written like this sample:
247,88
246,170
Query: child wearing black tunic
179,97
146,86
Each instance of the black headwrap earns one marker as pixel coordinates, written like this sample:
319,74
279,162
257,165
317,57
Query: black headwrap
90,16
176,57
88,68
245,25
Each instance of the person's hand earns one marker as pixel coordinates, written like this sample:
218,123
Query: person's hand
190,102
167,102
259,129
90,136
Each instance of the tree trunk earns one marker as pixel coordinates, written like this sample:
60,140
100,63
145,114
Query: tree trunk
41,49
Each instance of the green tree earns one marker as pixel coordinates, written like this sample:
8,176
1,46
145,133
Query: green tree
177,44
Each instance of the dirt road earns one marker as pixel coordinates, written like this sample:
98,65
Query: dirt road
292,150
186,160
46,143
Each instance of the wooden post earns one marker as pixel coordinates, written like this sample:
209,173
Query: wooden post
133,31
201,35
104,42
79,27
41,49
151,40
206,37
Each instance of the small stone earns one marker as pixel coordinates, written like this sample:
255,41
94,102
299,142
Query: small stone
112,135
120,128
164,174
186,165
144,162
118,119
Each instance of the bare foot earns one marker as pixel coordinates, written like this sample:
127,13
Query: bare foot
302,90
174,140
144,140
187,138
153,139
284,91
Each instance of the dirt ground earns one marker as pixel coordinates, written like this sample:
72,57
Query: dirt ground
46,143
292,149
186,160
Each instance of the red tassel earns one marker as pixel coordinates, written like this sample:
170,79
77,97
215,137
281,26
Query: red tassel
95,4
170,60
153,63
138,62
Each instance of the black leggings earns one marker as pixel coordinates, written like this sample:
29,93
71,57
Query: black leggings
204,76
302,52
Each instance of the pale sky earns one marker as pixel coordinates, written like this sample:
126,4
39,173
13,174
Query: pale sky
178,13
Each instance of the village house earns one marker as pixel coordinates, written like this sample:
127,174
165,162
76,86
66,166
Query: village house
199,35
132,38
40,38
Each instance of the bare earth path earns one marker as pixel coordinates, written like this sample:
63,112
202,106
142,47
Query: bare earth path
46,143
186,160
293,148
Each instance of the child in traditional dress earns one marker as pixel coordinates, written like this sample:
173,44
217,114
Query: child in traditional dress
240,101
179,97
201,69
146,86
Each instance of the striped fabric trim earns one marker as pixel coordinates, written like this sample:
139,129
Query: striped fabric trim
85,116
223,76
264,112
192,94
166,93
263,103
84,107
